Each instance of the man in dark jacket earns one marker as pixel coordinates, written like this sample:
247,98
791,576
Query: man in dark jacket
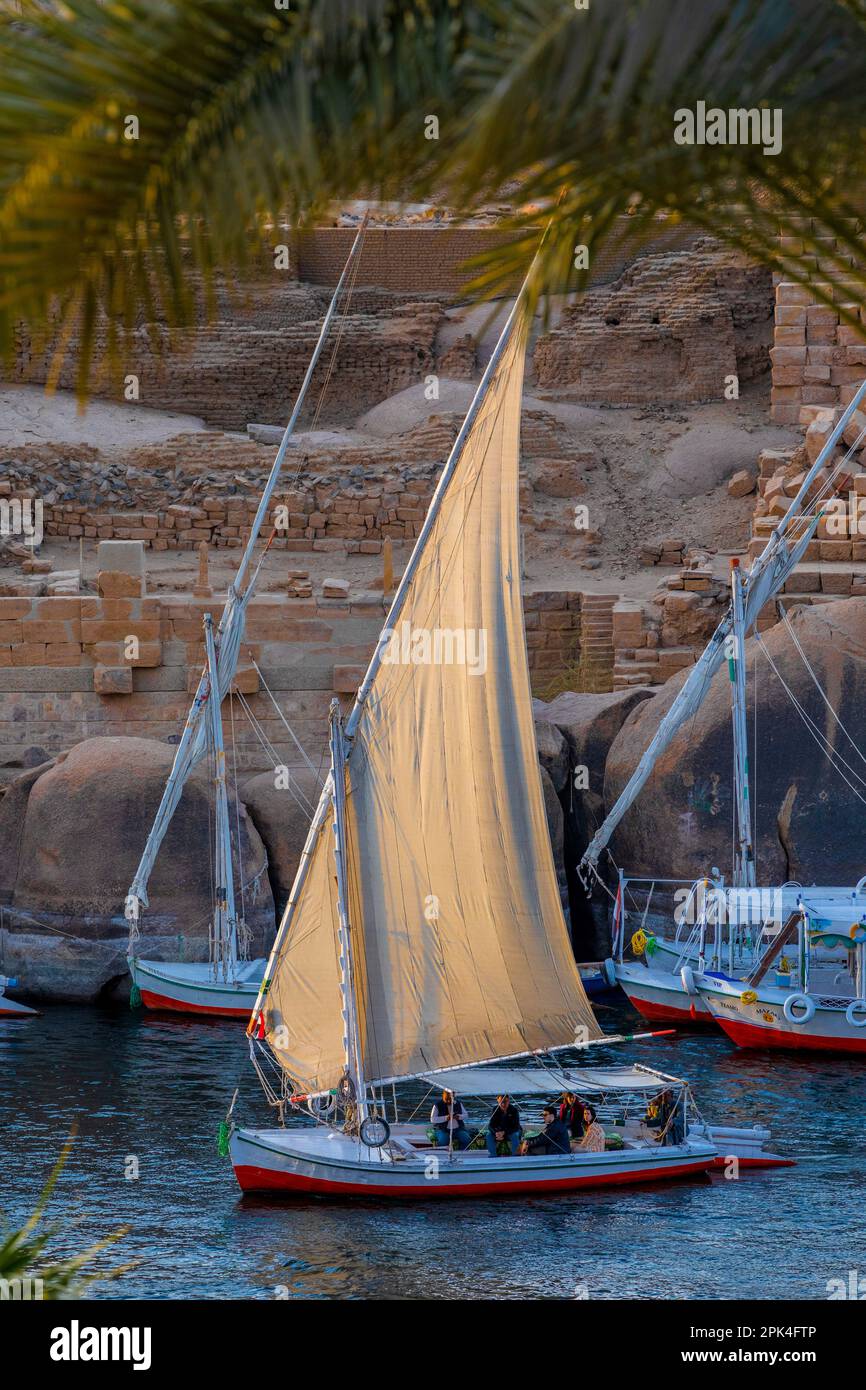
504,1124
448,1118
553,1139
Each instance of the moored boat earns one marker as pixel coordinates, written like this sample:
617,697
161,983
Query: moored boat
194,988
227,984
799,1009
13,1008
704,983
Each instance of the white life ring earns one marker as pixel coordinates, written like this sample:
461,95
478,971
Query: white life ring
687,979
320,1106
608,973
857,1006
795,1001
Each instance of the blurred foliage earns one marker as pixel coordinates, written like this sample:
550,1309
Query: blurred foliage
252,117
25,1252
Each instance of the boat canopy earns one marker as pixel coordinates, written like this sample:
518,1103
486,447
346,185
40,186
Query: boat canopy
544,1081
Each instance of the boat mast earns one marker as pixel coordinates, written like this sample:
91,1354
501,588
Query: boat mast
351,1034
744,858
765,578
225,919
231,628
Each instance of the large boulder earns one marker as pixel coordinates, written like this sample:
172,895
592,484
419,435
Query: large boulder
86,818
281,809
552,750
811,822
556,830
588,723
574,732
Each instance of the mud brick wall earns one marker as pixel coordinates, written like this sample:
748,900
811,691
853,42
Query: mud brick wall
231,372
432,259
672,326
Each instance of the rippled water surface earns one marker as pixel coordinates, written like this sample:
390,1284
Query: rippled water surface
141,1086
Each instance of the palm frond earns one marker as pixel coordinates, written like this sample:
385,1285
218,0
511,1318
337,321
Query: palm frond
24,1252
249,117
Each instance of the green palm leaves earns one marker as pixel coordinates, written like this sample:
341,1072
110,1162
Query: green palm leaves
25,1261
144,140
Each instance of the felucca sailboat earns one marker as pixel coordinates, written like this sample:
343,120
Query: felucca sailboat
424,935
774,965
227,983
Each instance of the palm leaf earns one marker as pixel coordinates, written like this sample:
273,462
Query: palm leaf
24,1252
250,118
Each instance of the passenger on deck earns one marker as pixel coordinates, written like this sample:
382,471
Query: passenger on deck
448,1118
504,1124
553,1139
571,1114
666,1113
593,1135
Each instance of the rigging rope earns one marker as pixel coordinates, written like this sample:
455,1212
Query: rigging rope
796,641
823,742
288,726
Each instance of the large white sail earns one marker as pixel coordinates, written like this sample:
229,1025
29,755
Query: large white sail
461,951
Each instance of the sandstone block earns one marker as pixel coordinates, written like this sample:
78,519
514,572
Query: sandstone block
112,680
347,679
741,483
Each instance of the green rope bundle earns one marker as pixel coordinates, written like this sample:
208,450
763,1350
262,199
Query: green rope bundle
223,1140
135,997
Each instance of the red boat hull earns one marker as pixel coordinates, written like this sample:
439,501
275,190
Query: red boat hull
253,1179
663,1013
179,1006
750,1035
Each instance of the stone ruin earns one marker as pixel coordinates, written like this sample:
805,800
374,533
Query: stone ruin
669,329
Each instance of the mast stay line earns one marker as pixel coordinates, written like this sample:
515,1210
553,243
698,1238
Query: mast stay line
228,637
765,578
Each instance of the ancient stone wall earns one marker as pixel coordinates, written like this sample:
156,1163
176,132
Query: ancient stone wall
818,360
672,327
66,672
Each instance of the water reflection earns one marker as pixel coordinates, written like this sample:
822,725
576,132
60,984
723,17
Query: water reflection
151,1090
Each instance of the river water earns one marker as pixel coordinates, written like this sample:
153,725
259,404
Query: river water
147,1094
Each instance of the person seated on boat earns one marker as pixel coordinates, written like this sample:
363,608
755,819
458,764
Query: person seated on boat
504,1126
571,1114
553,1139
666,1114
593,1139
448,1118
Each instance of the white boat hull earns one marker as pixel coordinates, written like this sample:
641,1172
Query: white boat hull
191,988
762,1023
659,995
11,1008
328,1164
